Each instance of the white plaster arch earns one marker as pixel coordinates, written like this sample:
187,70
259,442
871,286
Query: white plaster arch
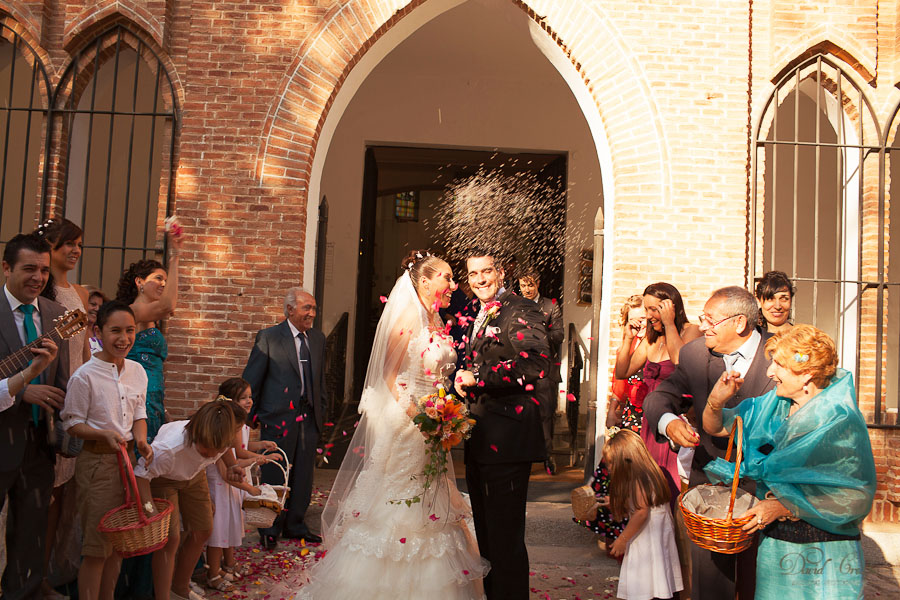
381,48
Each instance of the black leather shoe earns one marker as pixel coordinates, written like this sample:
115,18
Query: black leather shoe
309,536
268,542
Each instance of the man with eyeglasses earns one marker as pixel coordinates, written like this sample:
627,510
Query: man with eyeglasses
731,342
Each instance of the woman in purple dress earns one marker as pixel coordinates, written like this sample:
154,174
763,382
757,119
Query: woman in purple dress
667,331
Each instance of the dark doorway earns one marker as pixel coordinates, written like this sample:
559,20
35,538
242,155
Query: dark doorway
402,188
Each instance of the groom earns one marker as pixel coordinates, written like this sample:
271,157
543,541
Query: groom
506,355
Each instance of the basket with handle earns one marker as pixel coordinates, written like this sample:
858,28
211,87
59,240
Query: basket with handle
725,536
126,527
261,512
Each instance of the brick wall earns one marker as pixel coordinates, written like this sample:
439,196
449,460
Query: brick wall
255,81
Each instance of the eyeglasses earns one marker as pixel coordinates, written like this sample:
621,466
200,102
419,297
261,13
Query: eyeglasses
706,320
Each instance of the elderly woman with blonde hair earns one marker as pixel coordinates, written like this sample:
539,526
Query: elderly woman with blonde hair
807,447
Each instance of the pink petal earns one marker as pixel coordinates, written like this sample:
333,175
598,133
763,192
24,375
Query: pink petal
403,540
494,448
383,299
519,409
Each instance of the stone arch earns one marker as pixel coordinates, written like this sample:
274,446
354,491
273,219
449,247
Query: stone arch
799,52
106,12
328,57
21,22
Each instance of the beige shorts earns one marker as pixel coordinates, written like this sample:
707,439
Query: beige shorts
99,490
190,497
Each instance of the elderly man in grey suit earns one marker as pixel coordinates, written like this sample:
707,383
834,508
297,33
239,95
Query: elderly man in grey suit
26,457
286,372
731,342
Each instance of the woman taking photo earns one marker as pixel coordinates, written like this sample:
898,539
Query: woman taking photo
152,293
807,447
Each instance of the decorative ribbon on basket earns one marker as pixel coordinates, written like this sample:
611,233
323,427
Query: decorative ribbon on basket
261,512
126,527
725,536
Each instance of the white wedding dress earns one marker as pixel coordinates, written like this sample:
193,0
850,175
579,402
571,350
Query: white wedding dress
378,546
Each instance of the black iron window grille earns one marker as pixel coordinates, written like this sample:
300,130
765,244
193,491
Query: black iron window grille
24,100
817,212
106,162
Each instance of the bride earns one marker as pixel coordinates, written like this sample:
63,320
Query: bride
381,546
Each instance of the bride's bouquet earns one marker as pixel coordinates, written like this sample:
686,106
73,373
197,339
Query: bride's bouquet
445,422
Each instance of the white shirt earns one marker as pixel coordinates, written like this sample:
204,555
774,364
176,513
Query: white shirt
739,360
173,457
19,316
101,397
5,399
296,333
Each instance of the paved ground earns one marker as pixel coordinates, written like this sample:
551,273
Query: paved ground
566,563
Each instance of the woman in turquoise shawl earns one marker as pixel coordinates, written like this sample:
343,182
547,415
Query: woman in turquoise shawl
807,447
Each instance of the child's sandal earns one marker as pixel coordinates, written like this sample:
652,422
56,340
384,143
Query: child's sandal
237,571
219,583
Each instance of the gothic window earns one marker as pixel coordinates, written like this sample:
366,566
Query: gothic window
814,207
117,120
24,93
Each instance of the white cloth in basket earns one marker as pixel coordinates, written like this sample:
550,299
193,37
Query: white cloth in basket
712,501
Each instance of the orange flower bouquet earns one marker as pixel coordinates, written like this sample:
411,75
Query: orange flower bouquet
445,422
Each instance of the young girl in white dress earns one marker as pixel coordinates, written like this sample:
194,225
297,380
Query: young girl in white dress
639,491
227,497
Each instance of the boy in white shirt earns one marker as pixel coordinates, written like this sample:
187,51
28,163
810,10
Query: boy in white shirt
105,406
181,452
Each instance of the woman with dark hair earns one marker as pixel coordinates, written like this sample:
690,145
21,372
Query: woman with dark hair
775,294
65,238
152,293
667,331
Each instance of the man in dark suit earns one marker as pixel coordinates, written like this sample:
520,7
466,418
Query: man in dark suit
730,341
529,285
26,457
506,353
286,372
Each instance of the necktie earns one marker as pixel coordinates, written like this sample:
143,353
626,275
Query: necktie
305,366
479,320
30,336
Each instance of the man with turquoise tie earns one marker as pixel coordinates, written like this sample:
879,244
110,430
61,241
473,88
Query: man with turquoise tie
26,457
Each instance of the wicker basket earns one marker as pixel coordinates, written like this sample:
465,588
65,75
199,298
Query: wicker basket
725,536
126,527
584,503
261,512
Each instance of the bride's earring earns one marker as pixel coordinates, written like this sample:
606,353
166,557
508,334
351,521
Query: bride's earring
141,289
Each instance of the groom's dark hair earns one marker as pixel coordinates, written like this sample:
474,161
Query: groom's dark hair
480,252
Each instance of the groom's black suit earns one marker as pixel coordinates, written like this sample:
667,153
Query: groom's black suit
509,354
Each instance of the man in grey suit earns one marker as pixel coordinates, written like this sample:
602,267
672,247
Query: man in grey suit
548,387
26,457
731,341
286,372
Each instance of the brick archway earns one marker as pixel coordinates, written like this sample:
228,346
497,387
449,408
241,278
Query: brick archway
333,58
